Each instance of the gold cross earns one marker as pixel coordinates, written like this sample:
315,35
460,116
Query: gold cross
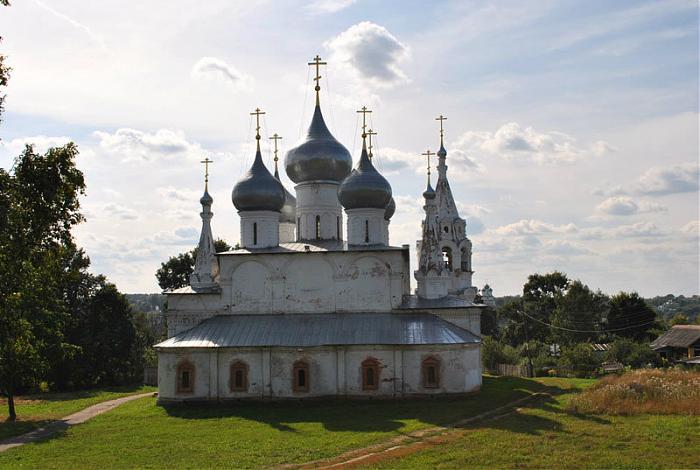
428,153
257,113
275,138
206,162
364,112
317,62
441,118
370,133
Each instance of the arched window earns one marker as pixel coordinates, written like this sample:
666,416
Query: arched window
239,377
447,257
298,228
337,227
447,229
255,233
318,227
370,374
366,231
431,372
465,259
185,377
300,376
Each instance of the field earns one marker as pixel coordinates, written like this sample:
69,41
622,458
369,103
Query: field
35,410
543,433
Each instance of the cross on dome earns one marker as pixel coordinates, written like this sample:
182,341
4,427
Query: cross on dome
364,111
206,162
317,63
428,154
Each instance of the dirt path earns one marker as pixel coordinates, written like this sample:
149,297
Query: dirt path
70,420
410,443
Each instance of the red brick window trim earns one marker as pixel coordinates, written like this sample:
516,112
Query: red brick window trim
185,377
239,377
300,376
431,372
370,374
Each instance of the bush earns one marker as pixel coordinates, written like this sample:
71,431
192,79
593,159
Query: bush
631,353
644,391
580,360
494,352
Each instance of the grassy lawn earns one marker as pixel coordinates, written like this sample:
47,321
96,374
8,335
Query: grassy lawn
545,435
35,410
141,434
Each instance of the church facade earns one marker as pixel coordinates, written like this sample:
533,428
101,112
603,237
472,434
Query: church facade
310,305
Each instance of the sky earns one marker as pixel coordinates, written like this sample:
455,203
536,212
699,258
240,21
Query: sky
571,131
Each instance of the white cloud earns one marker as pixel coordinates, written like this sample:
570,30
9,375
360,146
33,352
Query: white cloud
41,144
117,211
624,205
511,141
531,227
669,180
371,52
328,6
135,145
692,228
212,67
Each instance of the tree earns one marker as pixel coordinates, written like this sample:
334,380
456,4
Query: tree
175,273
679,319
540,295
631,317
581,359
39,204
578,314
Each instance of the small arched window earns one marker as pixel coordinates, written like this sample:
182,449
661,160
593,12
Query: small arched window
366,231
447,229
465,259
185,377
318,227
239,377
300,376
370,374
431,372
447,257
255,233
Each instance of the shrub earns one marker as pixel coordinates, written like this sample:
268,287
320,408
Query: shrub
653,391
580,360
494,352
630,353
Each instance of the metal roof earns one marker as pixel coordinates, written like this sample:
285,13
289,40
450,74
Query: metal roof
413,302
679,336
313,246
326,329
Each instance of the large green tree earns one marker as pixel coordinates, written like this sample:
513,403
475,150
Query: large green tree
175,272
578,314
631,317
39,204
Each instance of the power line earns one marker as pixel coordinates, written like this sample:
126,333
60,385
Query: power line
586,331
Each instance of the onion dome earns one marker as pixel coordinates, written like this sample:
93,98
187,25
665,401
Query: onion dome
206,199
258,190
289,210
429,192
442,153
390,209
320,157
365,188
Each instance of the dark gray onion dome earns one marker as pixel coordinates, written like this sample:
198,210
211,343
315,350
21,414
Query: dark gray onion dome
258,190
365,188
320,157
206,199
289,210
429,192
390,209
442,153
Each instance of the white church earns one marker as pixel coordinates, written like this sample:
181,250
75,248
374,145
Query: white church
317,301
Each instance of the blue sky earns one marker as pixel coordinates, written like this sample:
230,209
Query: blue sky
572,128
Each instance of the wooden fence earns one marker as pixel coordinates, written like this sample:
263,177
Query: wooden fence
512,370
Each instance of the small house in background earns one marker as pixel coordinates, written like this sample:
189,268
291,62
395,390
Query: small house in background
681,342
600,349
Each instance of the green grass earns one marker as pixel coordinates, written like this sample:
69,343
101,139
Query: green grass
248,434
545,435
35,410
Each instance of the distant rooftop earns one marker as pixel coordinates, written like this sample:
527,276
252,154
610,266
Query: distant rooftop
679,336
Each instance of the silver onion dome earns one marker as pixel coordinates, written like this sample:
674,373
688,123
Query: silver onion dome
429,192
442,153
320,157
365,187
289,210
390,209
258,190
206,199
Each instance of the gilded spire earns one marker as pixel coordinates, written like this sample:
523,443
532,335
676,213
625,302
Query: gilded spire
318,63
442,132
257,113
428,154
370,133
364,111
206,162
275,138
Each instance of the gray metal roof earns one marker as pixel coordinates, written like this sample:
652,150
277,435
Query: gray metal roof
679,336
413,302
326,329
314,246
